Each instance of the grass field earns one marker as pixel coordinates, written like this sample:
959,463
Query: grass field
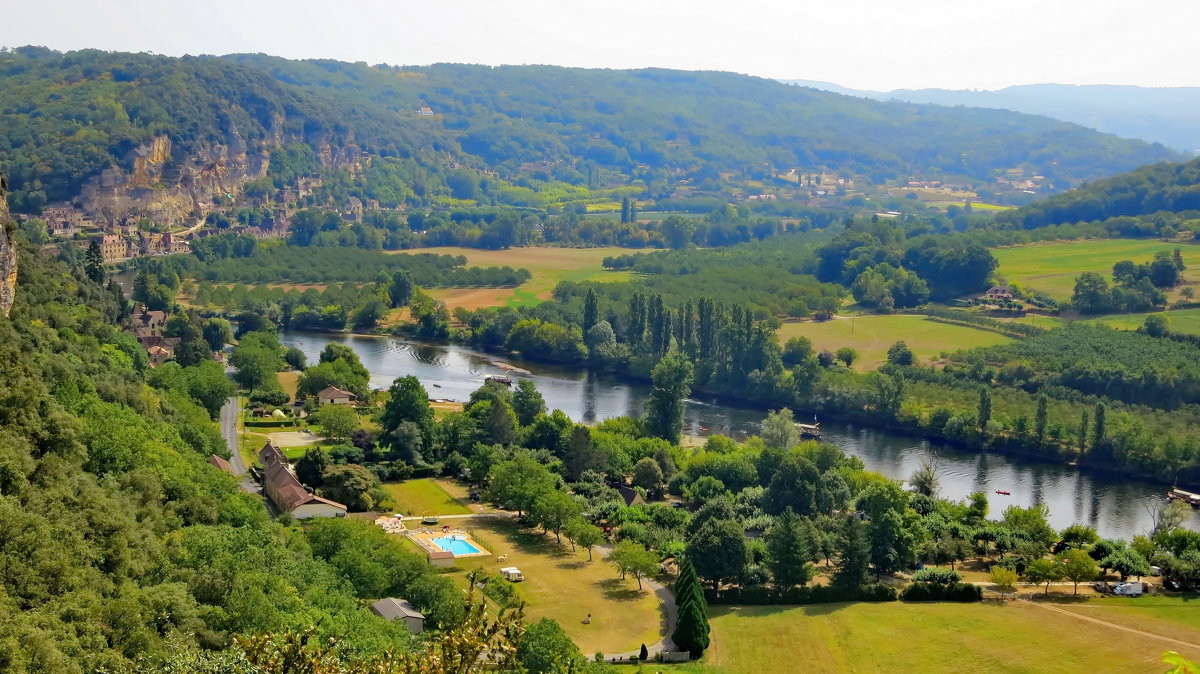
1186,321
1052,267
549,266
289,382
946,637
565,586
424,496
871,336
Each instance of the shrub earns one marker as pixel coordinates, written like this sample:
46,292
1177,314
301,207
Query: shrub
935,575
965,592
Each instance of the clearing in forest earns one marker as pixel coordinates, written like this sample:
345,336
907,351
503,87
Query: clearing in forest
871,336
1052,267
549,266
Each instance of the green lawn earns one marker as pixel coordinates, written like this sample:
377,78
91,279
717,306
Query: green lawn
946,637
1053,267
565,586
871,336
424,496
1186,321
548,266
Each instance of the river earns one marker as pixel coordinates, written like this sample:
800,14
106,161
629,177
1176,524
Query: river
1115,507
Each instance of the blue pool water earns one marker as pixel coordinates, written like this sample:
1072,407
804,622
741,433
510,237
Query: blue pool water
456,545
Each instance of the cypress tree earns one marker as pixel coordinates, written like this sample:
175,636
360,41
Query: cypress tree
691,629
591,309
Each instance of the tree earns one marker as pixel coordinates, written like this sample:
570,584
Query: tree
519,482
93,262
353,486
634,559
672,382
527,402
256,366
400,292
1039,423
408,401
1098,427
985,408
718,550
925,480
1079,567
1156,325
900,354
1079,535
545,648
406,443
647,474
208,385
787,553
554,508
338,422
846,355
794,485
779,430
582,533
1126,563
217,332
853,553
692,630
591,310
1005,579
1044,571
311,467
334,352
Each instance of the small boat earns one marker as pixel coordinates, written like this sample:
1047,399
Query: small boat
437,385
1187,497
1002,492
499,379
812,430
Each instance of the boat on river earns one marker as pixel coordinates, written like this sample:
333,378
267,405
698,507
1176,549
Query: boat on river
1187,497
1002,492
812,430
499,379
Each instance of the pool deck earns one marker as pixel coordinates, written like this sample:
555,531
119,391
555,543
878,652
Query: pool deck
424,538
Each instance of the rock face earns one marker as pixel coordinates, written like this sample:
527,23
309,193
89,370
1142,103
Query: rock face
8,253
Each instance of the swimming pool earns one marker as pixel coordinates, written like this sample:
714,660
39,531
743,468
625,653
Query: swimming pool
456,544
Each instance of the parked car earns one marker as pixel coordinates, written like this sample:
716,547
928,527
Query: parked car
1173,585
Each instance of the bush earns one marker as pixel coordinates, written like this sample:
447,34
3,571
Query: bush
812,594
964,592
935,575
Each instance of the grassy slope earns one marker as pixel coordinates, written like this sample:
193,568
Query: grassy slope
1052,267
872,335
548,265
944,637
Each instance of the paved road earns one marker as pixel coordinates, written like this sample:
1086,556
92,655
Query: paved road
229,430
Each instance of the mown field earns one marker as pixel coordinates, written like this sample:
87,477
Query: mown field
871,336
1053,267
549,266
1186,321
424,496
945,637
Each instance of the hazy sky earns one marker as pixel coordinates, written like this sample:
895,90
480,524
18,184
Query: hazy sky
875,44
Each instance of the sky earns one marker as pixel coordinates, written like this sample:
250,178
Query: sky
864,44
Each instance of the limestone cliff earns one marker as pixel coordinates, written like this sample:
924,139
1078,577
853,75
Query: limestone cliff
169,186
8,253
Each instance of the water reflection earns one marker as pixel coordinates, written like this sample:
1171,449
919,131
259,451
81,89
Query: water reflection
1115,507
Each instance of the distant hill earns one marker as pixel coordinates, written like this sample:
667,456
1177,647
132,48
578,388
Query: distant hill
1155,189
1167,115
118,128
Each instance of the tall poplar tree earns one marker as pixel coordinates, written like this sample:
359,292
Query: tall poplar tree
672,382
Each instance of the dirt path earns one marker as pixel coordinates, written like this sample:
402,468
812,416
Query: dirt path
1115,626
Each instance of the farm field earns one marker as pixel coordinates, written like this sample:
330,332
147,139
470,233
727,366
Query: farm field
565,586
871,336
947,637
1186,321
1053,267
424,496
549,266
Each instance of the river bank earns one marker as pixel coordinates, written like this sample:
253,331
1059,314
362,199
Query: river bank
1114,504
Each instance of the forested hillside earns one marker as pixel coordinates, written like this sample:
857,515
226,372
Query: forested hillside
1151,189
69,116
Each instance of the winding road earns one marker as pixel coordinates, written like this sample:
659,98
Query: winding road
670,611
230,412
